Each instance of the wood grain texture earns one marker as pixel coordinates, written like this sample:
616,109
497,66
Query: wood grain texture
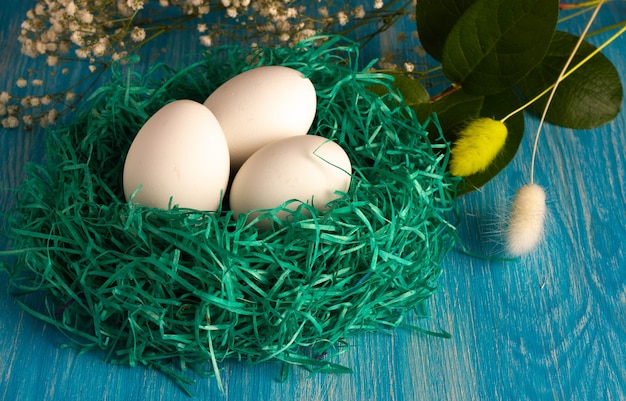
549,327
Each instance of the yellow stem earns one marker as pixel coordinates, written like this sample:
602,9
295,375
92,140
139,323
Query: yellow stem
568,73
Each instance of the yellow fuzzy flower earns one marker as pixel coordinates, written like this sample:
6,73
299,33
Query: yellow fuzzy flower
477,146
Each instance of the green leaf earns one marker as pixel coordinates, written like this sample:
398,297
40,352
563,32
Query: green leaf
456,109
412,91
497,42
435,19
588,98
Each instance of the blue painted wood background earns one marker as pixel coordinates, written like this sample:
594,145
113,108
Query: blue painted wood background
549,327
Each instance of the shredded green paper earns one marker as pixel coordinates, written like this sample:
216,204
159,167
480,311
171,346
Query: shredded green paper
183,289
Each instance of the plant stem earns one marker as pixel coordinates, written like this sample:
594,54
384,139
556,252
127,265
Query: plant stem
450,90
556,84
568,73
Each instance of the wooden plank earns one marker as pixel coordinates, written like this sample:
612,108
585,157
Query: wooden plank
551,326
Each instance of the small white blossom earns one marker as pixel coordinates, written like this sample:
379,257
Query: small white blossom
92,68
52,115
39,9
138,34
36,82
10,122
231,12
410,67
205,40
70,9
135,5
342,18
28,119
77,38
359,12
292,12
85,16
100,48
4,97
378,4
21,83
70,96
82,53
202,28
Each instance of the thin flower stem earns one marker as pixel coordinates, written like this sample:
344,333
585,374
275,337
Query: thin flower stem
568,73
555,86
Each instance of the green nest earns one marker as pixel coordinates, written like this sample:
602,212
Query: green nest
183,288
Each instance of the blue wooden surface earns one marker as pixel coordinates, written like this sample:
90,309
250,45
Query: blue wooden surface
551,326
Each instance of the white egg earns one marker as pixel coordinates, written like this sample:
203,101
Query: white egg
307,168
179,153
260,106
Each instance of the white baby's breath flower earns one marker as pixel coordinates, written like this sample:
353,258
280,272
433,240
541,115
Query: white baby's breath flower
28,119
410,67
292,12
231,12
4,97
70,9
202,28
10,122
46,100
92,68
378,4
82,52
52,115
135,5
35,101
164,3
226,3
359,12
205,40
77,38
39,9
85,16
21,83
100,48
36,82
70,96
40,47
138,34
43,121
342,18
